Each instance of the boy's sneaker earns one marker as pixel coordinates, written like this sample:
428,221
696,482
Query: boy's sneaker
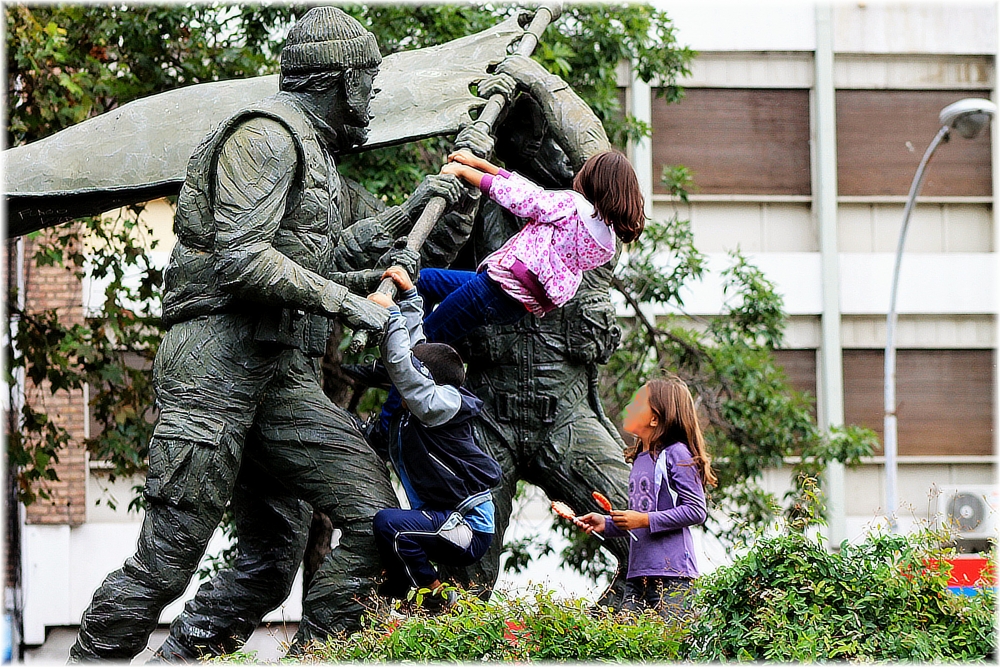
436,604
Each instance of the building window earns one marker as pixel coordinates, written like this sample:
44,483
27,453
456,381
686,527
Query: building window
735,141
882,135
800,368
944,399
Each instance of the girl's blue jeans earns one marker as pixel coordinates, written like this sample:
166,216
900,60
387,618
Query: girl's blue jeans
466,300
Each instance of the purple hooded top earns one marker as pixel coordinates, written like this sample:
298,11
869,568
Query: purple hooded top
670,490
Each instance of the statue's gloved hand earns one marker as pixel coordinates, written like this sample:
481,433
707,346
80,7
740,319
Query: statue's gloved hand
475,140
361,314
502,84
434,185
526,72
402,256
362,282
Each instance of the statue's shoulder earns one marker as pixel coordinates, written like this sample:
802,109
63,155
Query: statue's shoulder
275,124
281,109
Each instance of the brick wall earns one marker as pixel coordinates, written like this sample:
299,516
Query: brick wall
47,288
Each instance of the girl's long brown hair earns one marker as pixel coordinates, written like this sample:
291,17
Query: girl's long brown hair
608,181
671,401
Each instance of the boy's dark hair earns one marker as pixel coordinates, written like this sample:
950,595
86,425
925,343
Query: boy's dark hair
442,361
608,181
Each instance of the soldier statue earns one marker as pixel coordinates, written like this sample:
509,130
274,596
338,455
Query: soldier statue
264,259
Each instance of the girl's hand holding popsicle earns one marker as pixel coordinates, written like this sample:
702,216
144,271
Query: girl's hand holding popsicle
628,519
605,504
594,522
589,527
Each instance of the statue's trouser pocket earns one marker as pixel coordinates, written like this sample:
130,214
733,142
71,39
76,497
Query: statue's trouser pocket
190,464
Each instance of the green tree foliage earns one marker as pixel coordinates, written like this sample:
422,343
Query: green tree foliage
67,63
111,352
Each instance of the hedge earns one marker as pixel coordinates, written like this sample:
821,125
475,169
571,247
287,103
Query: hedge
787,599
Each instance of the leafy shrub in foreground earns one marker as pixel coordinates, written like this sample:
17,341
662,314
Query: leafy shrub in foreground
787,600
790,600
510,629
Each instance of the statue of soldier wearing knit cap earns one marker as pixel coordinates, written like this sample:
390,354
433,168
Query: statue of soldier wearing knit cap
272,244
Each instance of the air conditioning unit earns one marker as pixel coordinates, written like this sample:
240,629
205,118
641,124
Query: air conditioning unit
970,510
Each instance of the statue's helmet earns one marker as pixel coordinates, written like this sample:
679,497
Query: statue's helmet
328,39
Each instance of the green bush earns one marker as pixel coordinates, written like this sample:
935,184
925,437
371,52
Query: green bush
789,599
536,628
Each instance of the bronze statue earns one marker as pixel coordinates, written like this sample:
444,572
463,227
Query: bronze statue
262,261
272,242
571,448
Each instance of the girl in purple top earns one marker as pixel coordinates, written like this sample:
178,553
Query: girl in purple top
666,489
539,268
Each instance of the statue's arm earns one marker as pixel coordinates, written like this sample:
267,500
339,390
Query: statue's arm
254,173
575,126
370,228
370,239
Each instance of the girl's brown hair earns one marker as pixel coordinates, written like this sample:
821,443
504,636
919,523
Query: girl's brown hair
670,400
609,182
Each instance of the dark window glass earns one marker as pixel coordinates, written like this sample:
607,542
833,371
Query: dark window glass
800,367
944,399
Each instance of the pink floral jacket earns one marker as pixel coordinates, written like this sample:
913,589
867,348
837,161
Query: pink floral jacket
551,252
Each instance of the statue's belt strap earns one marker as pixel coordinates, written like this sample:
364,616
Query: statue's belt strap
293,328
510,407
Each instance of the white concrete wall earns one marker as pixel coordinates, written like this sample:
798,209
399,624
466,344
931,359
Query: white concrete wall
930,283
915,27
953,27
725,224
743,26
63,566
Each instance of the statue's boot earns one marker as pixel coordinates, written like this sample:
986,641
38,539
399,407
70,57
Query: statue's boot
172,650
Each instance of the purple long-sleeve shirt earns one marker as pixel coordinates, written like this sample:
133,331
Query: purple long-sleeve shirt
670,490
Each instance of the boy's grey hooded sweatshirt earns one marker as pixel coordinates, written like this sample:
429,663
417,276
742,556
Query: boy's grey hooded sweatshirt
444,466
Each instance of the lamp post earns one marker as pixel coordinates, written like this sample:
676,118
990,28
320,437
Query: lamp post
967,117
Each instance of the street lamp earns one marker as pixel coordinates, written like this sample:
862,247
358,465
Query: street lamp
967,117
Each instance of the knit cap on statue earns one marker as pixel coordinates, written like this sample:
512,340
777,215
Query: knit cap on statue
327,38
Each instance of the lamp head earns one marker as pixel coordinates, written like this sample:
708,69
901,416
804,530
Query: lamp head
968,116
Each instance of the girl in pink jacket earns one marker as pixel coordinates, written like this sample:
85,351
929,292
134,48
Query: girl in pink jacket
539,268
